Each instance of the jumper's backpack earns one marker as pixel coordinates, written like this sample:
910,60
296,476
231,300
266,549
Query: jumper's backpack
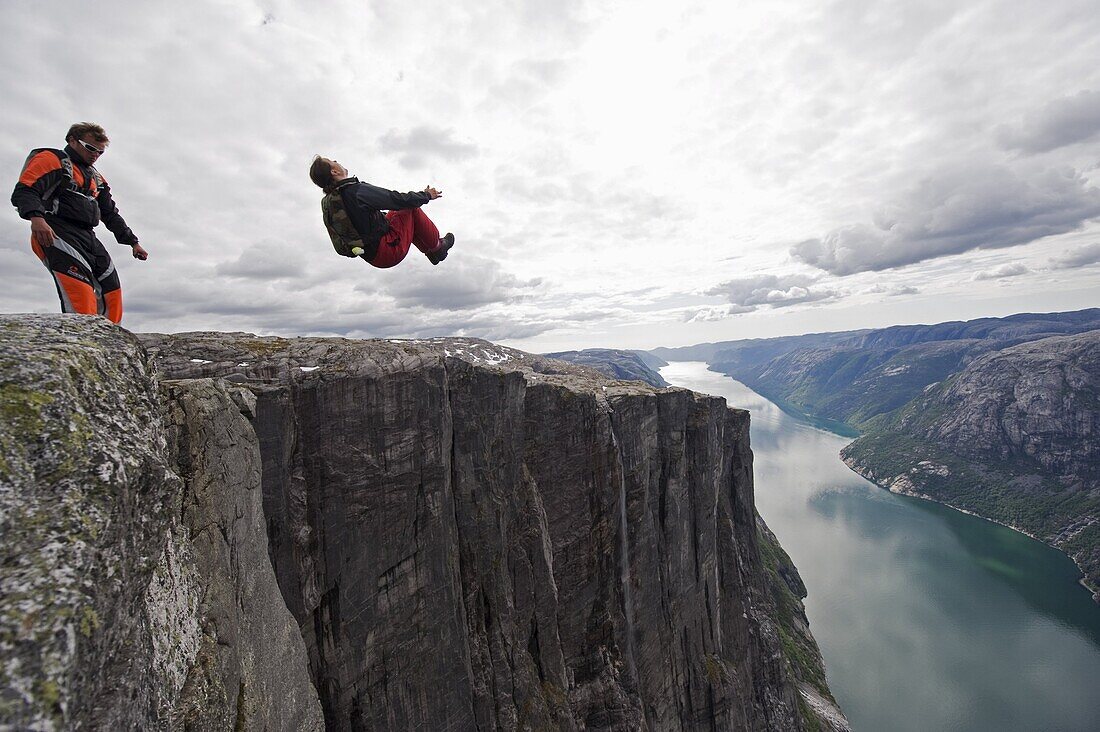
341,231
67,182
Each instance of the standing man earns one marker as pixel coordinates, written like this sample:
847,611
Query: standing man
352,212
63,196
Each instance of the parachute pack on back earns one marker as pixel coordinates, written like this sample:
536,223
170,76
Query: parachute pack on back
67,181
341,231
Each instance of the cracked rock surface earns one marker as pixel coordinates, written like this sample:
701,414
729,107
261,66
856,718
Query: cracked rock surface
131,596
472,537
217,531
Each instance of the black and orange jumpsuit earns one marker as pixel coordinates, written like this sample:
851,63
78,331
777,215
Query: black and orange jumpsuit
72,204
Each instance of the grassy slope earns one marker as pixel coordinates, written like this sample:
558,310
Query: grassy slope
1016,492
799,647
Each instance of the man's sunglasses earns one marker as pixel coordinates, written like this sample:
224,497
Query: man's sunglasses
92,148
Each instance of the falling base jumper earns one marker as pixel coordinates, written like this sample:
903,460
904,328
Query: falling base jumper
353,214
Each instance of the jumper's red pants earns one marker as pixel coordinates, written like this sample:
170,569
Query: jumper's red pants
407,226
83,273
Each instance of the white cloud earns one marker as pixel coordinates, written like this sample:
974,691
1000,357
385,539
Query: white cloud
724,312
770,290
1013,269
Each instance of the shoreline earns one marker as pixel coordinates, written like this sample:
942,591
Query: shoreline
799,416
1082,581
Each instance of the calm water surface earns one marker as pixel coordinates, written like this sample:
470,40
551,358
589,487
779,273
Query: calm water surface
928,619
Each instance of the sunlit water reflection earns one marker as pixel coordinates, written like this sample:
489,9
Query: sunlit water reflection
928,619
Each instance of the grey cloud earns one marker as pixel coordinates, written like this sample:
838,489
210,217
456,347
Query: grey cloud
28,286
494,328
469,282
770,290
267,261
895,291
566,19
187,305
547,71
418,145
957,209
576,205
1014,269
531,187
588,316
889,31
1079,257
1056,124
527,80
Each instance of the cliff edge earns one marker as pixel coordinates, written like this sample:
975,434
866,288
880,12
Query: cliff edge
438,534
135,591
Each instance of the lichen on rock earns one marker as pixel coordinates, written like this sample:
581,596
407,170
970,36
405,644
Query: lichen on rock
297,534
105,597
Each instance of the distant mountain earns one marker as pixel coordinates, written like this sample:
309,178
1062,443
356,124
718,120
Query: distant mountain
618,364
998,416
1014,437
843,380
755,350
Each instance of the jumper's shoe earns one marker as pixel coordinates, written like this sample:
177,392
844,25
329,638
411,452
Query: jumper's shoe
445,245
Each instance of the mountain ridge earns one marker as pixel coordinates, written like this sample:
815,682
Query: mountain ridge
875,385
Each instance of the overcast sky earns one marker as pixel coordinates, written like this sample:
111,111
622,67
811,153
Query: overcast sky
618,174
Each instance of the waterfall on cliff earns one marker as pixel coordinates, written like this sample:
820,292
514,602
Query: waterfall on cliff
624,557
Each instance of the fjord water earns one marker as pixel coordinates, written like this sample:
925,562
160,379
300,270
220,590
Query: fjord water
928,619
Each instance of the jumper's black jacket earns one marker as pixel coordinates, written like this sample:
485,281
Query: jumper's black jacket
80,203
365,203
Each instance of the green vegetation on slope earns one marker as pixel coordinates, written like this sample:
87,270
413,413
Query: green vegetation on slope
1014,442
787,591
1014,492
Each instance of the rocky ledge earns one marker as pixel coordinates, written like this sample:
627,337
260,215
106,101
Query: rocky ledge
260,533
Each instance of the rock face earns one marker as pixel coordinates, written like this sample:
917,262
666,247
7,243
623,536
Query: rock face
249,671
475,538
316,533
1037,401
1015,436
124,588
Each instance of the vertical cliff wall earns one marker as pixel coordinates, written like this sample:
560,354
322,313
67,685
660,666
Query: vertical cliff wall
317,533
475,538
135,590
